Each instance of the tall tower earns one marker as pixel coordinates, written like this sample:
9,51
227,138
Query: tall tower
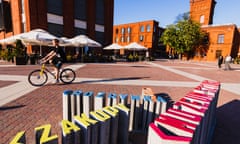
202,11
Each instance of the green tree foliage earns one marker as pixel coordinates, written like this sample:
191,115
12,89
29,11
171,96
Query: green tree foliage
185,36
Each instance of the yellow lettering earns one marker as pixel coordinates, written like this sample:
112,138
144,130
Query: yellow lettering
122,107
111,110
44,132
84,120
68,126
19,138
100,115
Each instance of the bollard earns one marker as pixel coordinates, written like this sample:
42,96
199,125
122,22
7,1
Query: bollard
99,102
160,135
123,99
123,124
176,126
104,125
135,110
88,101
78,101
70,133
113,112
161,106
112,99
89,128
67,104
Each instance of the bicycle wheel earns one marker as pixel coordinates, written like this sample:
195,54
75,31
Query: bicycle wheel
35,78
67,76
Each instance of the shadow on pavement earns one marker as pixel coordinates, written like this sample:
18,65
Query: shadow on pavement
228,124
109,80
11,107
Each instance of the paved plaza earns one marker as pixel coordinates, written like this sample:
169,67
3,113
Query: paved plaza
24,107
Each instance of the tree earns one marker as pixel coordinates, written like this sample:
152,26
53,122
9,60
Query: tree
185,37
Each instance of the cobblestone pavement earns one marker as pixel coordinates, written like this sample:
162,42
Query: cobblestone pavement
23,107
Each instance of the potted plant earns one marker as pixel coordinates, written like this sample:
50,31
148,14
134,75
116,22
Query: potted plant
20,53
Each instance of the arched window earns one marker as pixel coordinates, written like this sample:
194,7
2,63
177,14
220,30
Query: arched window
128,39
148,28
122,39
142,28
141,38
123,30
129,30
116,31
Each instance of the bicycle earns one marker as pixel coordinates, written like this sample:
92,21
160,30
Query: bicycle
39,77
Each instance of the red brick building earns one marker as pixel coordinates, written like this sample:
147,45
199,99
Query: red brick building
223,39
146,33
63,18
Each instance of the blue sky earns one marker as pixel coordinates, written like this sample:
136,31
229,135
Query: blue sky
166,11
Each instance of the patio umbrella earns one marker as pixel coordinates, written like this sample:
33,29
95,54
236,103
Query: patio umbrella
135,47
113,46
38,37
81,41
11,40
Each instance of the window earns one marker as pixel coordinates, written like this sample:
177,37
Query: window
5,17
116,40
55,29
100,12
55,7
123,30
116,31
202,19
148,28
128,39
80,11
129,30
122,39
141,38
220,38
142,28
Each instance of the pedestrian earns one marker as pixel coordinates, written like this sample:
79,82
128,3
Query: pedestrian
228,60
220,61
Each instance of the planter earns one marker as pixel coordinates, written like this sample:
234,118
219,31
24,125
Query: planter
21,60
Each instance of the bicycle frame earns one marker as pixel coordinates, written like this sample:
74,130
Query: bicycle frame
39,77
43,68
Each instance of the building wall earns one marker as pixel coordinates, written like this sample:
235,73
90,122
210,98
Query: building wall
228,45
146,33
204,9
230,32
59,18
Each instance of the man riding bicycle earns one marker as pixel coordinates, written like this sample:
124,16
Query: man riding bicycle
56,57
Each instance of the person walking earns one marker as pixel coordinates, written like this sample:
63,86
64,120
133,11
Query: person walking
228,60
220,61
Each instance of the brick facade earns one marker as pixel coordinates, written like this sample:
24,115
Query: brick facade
202,11
223,39
146,33
36,16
